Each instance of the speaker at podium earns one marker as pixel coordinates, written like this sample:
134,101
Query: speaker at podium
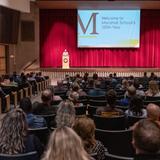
65,60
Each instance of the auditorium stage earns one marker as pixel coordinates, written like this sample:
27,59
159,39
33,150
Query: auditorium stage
101,71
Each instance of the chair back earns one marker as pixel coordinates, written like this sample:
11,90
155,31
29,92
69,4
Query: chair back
25,156
116,142
50,119
61,94
92,111
81,110
96,97
41,133
109,123
98,102
132,120
115,157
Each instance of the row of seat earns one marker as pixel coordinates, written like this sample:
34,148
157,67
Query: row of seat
16,96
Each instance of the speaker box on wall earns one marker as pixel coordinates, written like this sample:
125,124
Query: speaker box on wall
27,31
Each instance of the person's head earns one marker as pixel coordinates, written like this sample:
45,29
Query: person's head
111,97
146,137
136,84
47,96
74,97
26,105
125,83
153,87
153,112
97,84
95,76
12,132
75,87
64,143
114,75
136,105
131,91
145,74
85,128
59,83
65,114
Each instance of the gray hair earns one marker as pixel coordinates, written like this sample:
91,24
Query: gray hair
65,114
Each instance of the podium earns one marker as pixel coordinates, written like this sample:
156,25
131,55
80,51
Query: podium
65,60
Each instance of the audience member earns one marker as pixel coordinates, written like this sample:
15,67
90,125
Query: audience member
54,97
139,91
65,144
13,135
65,114
32,120
74,98
153,90
45,107
60,88
131,92
153,112
146,140
136,108
85,128
110,110
97,91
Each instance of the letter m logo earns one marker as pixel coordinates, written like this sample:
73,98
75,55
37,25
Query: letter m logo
92,19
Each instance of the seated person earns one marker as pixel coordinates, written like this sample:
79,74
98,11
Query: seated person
65,114
146,140
76,88
85,128
136,108
153,90
97,91
32,120
60,87
139,91
14,138
65,144
131,92
110,110
54,97
153,112
74,98
45,108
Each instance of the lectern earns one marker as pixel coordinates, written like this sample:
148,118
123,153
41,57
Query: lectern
65,59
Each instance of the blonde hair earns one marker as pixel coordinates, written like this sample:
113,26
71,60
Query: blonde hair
153,87
85,128
65,144
13,132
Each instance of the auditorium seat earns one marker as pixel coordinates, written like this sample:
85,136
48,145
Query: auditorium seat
98,102
117,142
25,156
50,119
92,111
42,133
81,110
61,94
131,120
109,123
115,157
0,105
96,97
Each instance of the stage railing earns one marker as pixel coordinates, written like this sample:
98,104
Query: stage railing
103,72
